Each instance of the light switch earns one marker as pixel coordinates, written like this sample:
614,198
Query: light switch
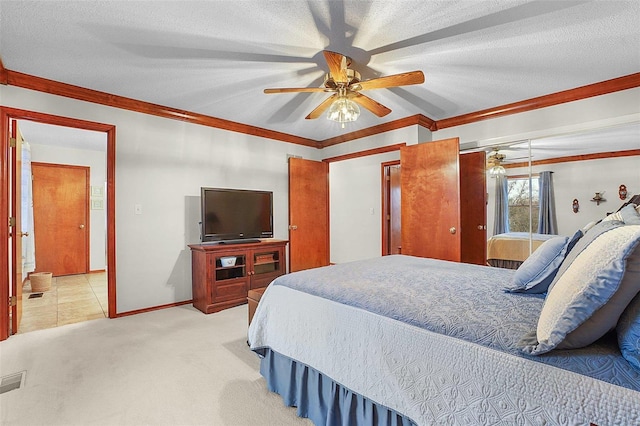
137,208
371,211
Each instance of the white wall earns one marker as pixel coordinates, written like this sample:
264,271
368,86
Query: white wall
161,165
586,114
355,194
97,162
356,201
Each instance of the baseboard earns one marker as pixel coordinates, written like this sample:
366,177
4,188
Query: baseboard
153,308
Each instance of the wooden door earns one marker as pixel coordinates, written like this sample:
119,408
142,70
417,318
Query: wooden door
473,208
430,198
61,218
308,214
16,230
391,218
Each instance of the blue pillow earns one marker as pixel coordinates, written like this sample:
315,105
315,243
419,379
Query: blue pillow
538,270
628,330
630,215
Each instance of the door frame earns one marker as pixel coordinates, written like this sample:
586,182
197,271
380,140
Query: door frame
6,114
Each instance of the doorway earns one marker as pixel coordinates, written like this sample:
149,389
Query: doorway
7,257
391,224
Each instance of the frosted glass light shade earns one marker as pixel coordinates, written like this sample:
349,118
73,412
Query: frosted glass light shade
343,110
497,171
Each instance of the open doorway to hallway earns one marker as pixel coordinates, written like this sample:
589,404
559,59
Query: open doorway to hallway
63,211
11,255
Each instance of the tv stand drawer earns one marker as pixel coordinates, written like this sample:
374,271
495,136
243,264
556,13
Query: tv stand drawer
229,291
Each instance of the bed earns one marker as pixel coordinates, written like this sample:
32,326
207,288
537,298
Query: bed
510,249
401,340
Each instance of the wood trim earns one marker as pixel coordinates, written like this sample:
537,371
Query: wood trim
4,226
425,121
583,92
111,222
583,157
27,81
4,75
153,308
366,153
370,131
523,176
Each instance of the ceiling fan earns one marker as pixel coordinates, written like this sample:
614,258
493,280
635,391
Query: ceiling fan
495,161
346,86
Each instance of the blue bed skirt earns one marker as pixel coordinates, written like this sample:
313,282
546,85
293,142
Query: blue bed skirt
319,398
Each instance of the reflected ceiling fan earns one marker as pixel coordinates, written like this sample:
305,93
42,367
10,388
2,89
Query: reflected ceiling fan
495,161
346,85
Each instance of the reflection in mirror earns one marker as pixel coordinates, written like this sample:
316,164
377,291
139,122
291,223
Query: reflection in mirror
581,164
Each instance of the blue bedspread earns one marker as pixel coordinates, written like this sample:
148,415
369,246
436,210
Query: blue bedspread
459,300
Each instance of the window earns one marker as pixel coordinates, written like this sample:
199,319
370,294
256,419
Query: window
519,203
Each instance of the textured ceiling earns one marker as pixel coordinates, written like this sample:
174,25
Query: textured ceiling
216,57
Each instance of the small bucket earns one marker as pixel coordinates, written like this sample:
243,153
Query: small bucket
40,281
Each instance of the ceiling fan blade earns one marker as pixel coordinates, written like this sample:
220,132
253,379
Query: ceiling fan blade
321,108
373,106
404,79
295,90
337,66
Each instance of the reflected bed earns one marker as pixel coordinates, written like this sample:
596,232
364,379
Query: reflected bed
511,249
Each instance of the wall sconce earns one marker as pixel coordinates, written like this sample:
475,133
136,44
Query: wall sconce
576,205
598,198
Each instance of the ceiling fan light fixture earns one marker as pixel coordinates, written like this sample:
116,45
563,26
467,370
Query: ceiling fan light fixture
343,110
497,170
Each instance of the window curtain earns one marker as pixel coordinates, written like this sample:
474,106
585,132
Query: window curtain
26,212
547,223
501,217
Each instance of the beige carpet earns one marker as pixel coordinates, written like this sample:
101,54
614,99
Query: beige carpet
174,366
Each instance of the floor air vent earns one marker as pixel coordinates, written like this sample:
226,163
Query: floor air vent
35,295
12,381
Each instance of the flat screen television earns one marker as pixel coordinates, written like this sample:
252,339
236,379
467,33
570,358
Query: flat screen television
236,214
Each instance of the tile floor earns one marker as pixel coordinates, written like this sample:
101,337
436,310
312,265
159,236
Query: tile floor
72,298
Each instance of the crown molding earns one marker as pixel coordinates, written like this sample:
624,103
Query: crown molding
27,81
40,84
582,157
374,130
596,89
3,74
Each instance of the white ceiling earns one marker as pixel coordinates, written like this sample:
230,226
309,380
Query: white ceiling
216,57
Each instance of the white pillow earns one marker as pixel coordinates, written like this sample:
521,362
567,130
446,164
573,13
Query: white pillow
588,299
613,216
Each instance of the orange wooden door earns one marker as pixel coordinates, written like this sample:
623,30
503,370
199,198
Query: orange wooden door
391,221
473,211
61,218
430,194
308,214
16,230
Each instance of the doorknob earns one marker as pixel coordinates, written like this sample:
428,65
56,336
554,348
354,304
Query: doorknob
81,226
293,227
452,229
23,234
